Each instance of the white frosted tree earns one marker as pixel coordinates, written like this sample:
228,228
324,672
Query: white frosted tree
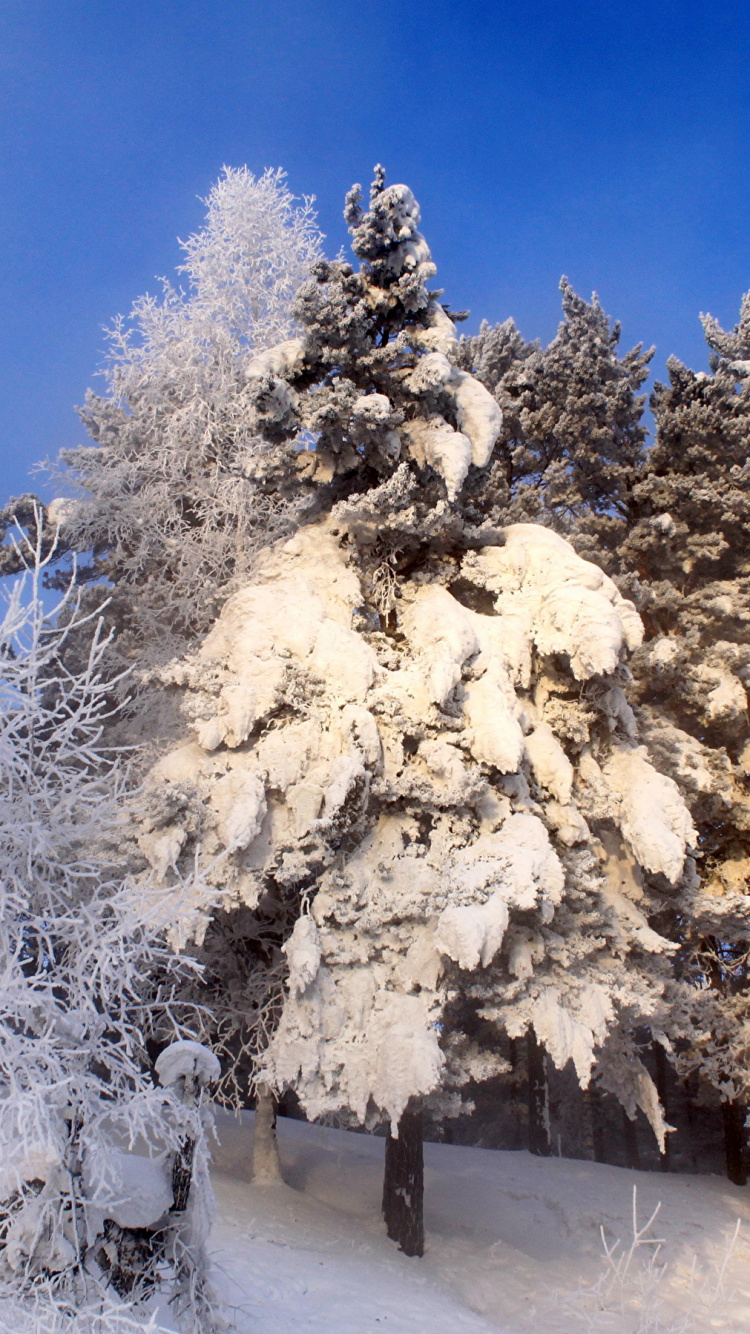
84,983
409,746
178,492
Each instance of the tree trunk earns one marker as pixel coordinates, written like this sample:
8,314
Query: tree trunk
403,1184
266,1160
630,1138
539,1130
182,1175
597,1122
734,1141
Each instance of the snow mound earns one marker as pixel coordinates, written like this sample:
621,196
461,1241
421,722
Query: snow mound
187,1059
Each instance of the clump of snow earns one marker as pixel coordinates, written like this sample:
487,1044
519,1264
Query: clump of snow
303,955
187,1059
239,800
566,604
437,334
654,818
280,360
552,768
472,934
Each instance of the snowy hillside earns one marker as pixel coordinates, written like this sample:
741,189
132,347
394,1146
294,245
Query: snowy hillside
510,1239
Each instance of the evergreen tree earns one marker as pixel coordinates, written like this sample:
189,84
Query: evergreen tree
688,565
572,439
409,743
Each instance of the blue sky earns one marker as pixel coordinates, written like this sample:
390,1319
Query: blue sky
610,142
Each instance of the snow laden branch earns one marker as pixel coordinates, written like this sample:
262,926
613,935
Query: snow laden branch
458,809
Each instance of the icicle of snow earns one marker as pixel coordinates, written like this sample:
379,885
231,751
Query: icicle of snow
449,452
474,933
346,1043
552,768
435,615
653,816
303,955
479,416
496,736
569,1037
622,1073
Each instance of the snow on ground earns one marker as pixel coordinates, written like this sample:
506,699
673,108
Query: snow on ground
511,1242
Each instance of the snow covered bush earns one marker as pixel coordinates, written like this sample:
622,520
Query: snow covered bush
84,983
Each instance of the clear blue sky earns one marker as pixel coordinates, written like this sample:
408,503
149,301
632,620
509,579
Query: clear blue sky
610,142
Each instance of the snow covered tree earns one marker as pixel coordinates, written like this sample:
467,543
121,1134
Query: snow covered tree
409,744
572,439
177,493
686,561
84,984
175,498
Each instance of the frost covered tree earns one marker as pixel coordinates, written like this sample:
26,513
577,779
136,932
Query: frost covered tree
176,496
572,440
408,744
672,529
177,492
686,561
84,983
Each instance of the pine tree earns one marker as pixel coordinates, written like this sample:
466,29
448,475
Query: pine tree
408,740
687,559
572,439
674,535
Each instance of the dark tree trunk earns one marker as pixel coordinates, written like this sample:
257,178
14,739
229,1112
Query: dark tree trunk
403,1184
734,1141
182,1175
539,1139
597,1123
630,1139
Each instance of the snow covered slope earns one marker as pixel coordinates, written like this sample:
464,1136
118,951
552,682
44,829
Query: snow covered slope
510,1240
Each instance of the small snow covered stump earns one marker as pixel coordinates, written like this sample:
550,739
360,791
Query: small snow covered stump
185,1069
